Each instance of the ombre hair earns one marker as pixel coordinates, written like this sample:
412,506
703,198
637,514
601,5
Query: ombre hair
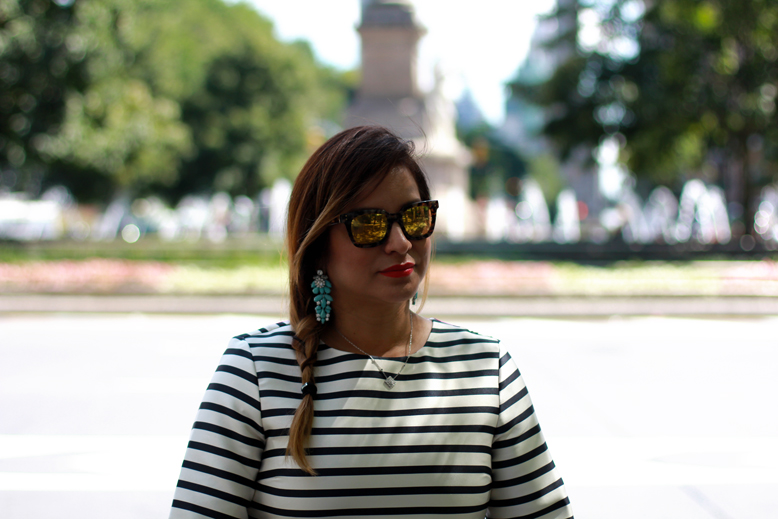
345,168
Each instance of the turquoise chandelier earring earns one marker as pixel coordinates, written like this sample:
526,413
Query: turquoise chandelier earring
415,297
321,295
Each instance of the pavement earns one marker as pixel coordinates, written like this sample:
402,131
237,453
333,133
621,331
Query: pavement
660,417
445,306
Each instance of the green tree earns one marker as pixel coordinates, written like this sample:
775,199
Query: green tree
690,84
93,126
39,60
156,95
247,100
496,168
251,116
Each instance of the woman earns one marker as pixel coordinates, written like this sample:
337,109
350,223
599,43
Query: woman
358,407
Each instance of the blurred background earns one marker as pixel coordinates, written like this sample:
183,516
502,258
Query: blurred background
607,122
608,179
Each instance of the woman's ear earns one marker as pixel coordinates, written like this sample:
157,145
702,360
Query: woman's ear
321,260
322,264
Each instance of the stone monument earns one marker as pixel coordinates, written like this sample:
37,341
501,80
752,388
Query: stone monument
389,95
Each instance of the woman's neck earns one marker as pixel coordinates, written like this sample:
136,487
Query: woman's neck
384,333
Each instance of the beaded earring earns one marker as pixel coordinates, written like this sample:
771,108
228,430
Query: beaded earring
321,290
415,297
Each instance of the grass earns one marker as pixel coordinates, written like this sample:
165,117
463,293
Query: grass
235,252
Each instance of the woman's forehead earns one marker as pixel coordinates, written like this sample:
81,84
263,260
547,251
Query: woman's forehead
396,189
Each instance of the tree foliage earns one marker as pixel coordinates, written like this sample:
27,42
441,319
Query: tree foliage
496,168
251,114
690,87
177,96
38,60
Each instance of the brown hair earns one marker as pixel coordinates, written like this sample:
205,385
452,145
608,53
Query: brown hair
344,168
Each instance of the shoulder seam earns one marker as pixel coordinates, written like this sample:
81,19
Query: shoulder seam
274,329
453,328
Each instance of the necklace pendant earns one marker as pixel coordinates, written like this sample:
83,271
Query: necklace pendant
390,382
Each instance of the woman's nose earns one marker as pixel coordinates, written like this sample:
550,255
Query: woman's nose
397,241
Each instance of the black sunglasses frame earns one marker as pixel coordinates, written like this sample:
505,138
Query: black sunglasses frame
390,219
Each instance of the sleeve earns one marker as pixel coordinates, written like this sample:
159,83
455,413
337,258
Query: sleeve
226,443
525,482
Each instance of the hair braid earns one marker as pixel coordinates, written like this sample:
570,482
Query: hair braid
306,344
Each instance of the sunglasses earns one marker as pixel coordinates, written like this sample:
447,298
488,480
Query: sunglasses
370,227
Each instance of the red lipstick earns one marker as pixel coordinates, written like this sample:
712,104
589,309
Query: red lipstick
399,271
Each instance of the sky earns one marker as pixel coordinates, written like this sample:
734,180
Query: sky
479,45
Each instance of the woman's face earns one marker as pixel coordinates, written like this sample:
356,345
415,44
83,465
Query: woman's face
390,272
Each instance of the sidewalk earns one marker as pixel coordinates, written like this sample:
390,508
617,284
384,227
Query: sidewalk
441,306
646,417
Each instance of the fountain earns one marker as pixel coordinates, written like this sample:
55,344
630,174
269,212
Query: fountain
766,217
660,213
278,203
699,215
567,226
702,214
534,223
499,218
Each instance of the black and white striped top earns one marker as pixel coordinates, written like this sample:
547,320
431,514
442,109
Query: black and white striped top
456,437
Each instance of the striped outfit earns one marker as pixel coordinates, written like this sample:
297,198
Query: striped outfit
456,437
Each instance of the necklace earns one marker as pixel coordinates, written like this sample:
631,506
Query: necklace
390,380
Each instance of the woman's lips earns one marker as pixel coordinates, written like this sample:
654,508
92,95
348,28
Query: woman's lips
398,271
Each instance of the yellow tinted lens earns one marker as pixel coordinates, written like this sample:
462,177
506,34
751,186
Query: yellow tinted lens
368,228
417,220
